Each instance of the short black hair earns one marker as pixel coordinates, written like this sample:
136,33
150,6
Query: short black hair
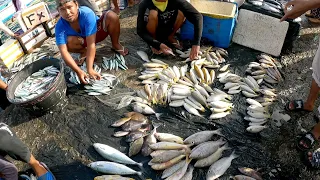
62,2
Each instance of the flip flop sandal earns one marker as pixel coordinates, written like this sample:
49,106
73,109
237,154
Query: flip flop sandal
297,106
307,139
120,50
48,175
314,163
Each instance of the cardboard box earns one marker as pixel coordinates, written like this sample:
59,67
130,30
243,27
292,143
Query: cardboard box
33,38
10,51
35,15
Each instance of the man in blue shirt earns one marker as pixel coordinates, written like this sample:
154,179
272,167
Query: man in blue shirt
79,29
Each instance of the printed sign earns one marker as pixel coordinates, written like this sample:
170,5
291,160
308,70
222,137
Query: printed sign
35,15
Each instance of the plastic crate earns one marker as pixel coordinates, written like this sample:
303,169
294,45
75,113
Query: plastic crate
218,26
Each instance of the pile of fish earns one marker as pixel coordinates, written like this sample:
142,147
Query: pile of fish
118,164
114,62
112,177
47,49
134,126
36,84
74,77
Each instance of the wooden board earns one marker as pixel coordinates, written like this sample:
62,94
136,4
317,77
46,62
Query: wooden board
260,32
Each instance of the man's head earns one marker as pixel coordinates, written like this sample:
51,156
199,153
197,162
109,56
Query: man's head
68,9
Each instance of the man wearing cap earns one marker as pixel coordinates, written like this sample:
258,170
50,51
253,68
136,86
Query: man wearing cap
79,29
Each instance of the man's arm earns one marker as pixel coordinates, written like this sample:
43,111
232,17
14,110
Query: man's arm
91,54
142,29
3,85
299,7
6,30
194,16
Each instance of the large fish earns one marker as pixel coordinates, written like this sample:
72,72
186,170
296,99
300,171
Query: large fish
180,173
205,149
169,138
112,168
189,174
164,156
113,154
135,147
220,167
208,161
201,137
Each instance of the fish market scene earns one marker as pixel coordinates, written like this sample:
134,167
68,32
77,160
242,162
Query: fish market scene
159,89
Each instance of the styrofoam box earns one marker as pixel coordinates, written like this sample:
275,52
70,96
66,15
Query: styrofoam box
260,32
35,41
10,51
31,34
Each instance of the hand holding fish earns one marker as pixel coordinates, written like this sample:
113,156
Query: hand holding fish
194,52
296,8
83,76
93,74
165,49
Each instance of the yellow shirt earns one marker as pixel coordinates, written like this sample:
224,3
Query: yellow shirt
160,5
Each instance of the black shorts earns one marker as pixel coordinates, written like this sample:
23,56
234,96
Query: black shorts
166,21
11,145
4,103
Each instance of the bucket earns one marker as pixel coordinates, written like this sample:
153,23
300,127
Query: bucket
53,98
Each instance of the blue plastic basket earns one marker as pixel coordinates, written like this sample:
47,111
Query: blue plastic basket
218,31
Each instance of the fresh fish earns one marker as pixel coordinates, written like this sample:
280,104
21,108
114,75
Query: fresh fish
113,154
112,177
132,125
255,120
112,168
199,98
165,165
219,115
161,156
208,161
223,74
189,174
150,139
220,167
142,108
167,146
171,170
143,56
253,102
166,137
121,121
180,173
249,95
242,177
224,68
135,147
250,172
134,135
201,137
256,129
176,103
120,133
191,109
257,114
205,149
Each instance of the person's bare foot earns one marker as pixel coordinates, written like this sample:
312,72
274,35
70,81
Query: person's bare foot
120,49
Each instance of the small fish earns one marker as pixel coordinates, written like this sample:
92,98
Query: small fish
135,147
224,68
166,137
120,133
208,161
168,146
189,174
167,164
205,149
121,121
250,172
242,177
168,172
256,129
220,167
161,156
143,56
219,115
201,137
132,125
134,135
112,168
180,173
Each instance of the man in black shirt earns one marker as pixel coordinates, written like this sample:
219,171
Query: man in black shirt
159,20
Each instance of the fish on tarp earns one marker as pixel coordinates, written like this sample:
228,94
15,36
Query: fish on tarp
189,174
132,125
220,167
205,149
169,138
180,173
250,172
165,165
135,146
166,155
113,154
150,139
201,137
112,168
242,177
112,177
134,135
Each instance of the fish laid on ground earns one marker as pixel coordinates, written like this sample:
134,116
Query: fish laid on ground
168,172
201,137
220,167
250,172
165,165
242,177
113,154
181,172
205,149
121,121
135,147
168,146
189,174
132,125
143,56
112,168
150,139
208,161
112,177
169,138
256,129
166,155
